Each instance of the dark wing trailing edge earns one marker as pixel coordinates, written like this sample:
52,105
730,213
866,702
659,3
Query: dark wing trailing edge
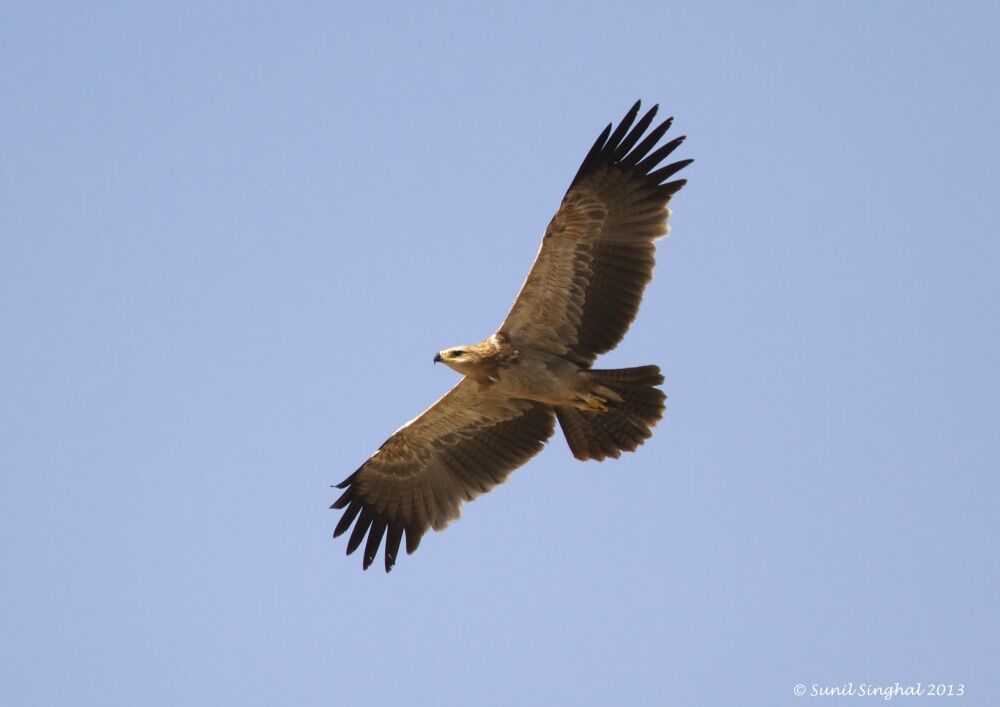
459,448
598,252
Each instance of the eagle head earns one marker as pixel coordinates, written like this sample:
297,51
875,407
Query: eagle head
467,360
457,357
479,361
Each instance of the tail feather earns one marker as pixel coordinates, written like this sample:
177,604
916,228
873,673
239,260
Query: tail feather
626,425
640,375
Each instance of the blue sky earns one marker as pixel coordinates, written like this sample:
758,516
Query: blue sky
232,238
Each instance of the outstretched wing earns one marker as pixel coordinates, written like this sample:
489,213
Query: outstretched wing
597,254
462,446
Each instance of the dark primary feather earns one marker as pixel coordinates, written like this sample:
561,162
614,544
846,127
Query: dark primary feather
594,151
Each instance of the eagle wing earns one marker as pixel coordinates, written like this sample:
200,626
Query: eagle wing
460,447
597,254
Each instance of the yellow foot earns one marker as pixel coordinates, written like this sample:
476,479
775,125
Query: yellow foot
594,403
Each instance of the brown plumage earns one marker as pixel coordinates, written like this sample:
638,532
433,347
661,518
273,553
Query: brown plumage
581,295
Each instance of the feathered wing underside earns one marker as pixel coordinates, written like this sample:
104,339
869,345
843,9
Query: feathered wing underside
597,254
462,446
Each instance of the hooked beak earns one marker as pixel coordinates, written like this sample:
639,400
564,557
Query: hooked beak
437,358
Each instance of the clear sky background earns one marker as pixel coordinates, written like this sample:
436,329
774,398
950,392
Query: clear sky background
233,237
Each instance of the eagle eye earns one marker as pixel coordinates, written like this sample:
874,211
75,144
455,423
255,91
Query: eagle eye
456,354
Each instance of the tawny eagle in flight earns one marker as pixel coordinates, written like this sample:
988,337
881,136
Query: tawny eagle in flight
581,295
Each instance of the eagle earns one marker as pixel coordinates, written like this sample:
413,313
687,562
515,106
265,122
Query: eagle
581,294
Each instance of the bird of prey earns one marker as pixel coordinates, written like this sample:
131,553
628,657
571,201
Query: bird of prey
580,296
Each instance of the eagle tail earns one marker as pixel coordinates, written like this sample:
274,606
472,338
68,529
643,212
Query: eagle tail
626,424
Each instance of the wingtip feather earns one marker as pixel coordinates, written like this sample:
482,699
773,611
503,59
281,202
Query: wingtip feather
345,520
364,522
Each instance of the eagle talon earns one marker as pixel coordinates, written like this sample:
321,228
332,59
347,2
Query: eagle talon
595,403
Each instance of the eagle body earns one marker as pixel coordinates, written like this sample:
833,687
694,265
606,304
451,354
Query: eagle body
507,368
581,294
542,377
